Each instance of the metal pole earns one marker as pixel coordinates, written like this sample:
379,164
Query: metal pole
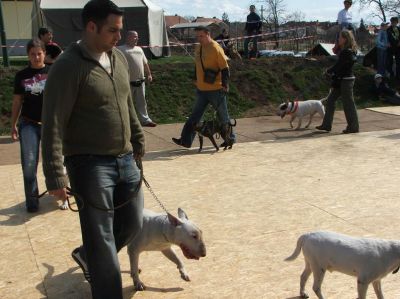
3,40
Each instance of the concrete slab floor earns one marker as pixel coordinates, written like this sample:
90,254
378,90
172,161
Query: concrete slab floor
252,203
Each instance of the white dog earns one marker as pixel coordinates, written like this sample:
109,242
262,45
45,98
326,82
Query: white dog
158,233
300,109
368,259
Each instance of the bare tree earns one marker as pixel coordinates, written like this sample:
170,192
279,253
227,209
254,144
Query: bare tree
394,7
225,18
190,18
297,16
274,16
380,7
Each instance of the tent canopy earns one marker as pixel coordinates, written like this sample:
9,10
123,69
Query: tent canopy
64,18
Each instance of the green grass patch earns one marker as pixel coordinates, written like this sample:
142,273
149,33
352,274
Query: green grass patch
255,86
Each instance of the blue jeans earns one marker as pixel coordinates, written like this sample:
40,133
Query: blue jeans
29,137
217,98
106,182
381,63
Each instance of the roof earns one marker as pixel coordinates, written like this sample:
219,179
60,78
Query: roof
213,20
173,20
193,25
326,49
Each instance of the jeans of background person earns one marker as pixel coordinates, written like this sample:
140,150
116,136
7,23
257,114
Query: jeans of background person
254,49
345,91
106,181
139,99
381,61
389,61
29,137
217,98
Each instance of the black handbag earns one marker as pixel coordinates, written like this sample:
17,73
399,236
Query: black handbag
209,74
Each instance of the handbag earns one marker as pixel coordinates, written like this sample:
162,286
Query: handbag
209,74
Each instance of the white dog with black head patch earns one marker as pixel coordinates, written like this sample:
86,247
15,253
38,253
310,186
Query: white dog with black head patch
300,109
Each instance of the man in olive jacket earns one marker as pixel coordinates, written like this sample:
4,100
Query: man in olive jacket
89,117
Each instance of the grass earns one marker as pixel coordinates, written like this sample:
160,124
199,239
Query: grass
255,85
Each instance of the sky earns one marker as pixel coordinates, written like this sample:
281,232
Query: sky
237,10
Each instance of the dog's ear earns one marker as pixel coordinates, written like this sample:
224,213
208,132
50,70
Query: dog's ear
182,215
173,220
396,270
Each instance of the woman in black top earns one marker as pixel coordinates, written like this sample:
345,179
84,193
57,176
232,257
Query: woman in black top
342,85
26,117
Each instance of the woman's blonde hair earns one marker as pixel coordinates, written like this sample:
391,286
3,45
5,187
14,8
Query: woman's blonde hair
350,40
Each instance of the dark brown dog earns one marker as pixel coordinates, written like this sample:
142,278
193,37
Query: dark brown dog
213,127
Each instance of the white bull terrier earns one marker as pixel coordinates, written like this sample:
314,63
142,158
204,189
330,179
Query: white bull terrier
368,259
158,233
300,109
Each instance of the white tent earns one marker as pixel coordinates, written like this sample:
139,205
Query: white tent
64,18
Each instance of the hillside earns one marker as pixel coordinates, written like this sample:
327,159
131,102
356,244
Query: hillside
257,87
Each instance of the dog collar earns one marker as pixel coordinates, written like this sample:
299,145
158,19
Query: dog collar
295,105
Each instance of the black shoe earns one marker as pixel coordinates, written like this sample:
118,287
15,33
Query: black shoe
32,209
150,124
224,144
348,131
178,141
76,255
322,128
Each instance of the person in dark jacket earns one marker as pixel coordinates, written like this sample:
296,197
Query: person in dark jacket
393,34
342,85
252,29
382,89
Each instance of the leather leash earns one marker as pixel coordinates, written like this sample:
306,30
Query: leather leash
81,203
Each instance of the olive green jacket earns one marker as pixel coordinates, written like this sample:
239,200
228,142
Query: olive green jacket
86,110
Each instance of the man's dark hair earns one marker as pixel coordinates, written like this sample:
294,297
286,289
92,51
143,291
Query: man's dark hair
97,11
43,30
394,19
35,43
202,28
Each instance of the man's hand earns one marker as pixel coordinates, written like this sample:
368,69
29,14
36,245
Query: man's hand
14,133
59,194
149,78
226,88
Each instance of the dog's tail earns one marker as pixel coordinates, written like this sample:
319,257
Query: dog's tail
297,251
324,99
232,124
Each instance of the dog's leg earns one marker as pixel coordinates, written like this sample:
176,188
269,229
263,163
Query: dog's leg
362,288
201,143
291,121
318,274
134,261
213,142
299,124
378,289
171,255
303,280
309,122
64,205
